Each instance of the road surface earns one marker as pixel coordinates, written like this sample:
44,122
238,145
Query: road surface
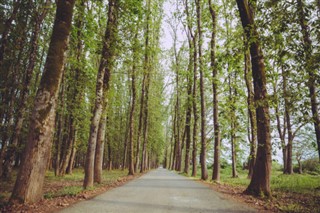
159,191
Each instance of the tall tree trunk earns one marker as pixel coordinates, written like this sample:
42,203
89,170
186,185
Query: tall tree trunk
288,148
72,159
133,104
145,129
216,161
146,67
188,115
233,127
98,158
195,112
204,172
109,166
174,136
108,52
78,88
140,127
177,123
252,116
282,134
29,182
308,57
260,181
192,45
125,141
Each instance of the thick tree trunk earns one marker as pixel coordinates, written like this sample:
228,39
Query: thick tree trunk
251,111
310,70
103,76
204,172
98,158
29,183
260,181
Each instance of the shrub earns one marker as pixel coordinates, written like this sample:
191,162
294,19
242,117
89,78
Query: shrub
311,166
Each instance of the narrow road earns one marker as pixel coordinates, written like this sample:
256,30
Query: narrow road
159,191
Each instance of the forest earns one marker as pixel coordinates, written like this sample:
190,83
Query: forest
226,91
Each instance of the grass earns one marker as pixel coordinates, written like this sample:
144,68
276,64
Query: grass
291,193
68,185
297,183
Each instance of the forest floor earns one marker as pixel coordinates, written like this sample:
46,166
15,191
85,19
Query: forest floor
60,192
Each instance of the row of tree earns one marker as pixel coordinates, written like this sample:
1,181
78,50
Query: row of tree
82,85
90,95
256,75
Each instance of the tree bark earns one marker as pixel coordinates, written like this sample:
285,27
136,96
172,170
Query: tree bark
260,181
29,183
177,123
146,77
133,103
232,106
216,160
98,158
288,148
108,52
204,172
188,114
252,116
145,129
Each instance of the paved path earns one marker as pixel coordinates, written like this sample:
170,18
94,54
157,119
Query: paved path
159,191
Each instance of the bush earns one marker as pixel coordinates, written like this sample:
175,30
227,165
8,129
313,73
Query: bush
311,166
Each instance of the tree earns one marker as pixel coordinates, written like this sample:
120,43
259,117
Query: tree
38,20
133,101
260,181
252,133
204,172
308,58
103,77
216,162
29,183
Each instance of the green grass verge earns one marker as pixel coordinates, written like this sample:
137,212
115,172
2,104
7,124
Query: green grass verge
297,183
73,188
